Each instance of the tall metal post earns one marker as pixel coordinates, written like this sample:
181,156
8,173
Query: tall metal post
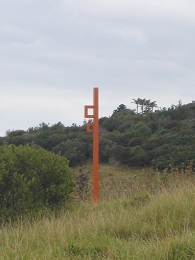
94,128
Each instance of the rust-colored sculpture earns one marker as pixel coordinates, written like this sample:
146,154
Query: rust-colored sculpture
94,127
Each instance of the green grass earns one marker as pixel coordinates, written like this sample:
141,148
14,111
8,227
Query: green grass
141,215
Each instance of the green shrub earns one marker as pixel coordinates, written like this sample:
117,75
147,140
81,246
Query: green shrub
32,179
138,157
180,158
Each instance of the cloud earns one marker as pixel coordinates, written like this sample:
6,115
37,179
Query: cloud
52,53
175,10
127,33
38,104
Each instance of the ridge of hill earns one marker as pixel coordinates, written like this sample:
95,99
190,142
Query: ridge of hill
164,139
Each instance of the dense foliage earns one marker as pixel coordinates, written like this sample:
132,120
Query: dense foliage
162,138
32,179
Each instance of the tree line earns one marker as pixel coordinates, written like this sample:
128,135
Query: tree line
146,105
164,138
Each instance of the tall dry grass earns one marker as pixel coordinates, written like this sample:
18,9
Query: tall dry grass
145,216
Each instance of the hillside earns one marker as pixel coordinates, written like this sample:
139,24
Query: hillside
162,139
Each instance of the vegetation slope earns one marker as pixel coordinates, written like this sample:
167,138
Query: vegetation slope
163,139
153,218
142,213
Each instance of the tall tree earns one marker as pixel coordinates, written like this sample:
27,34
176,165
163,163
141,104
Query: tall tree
152,105
137,102
147,106
142,103
120,108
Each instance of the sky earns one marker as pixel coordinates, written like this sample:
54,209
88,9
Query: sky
54,52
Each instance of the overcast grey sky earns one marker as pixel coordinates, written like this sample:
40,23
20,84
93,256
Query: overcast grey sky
53,52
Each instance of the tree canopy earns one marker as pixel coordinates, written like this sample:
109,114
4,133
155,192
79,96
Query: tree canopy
162,138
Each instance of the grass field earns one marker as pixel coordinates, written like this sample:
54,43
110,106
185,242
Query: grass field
141,215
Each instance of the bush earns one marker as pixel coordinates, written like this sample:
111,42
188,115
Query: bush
180,158
32,179
138,157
